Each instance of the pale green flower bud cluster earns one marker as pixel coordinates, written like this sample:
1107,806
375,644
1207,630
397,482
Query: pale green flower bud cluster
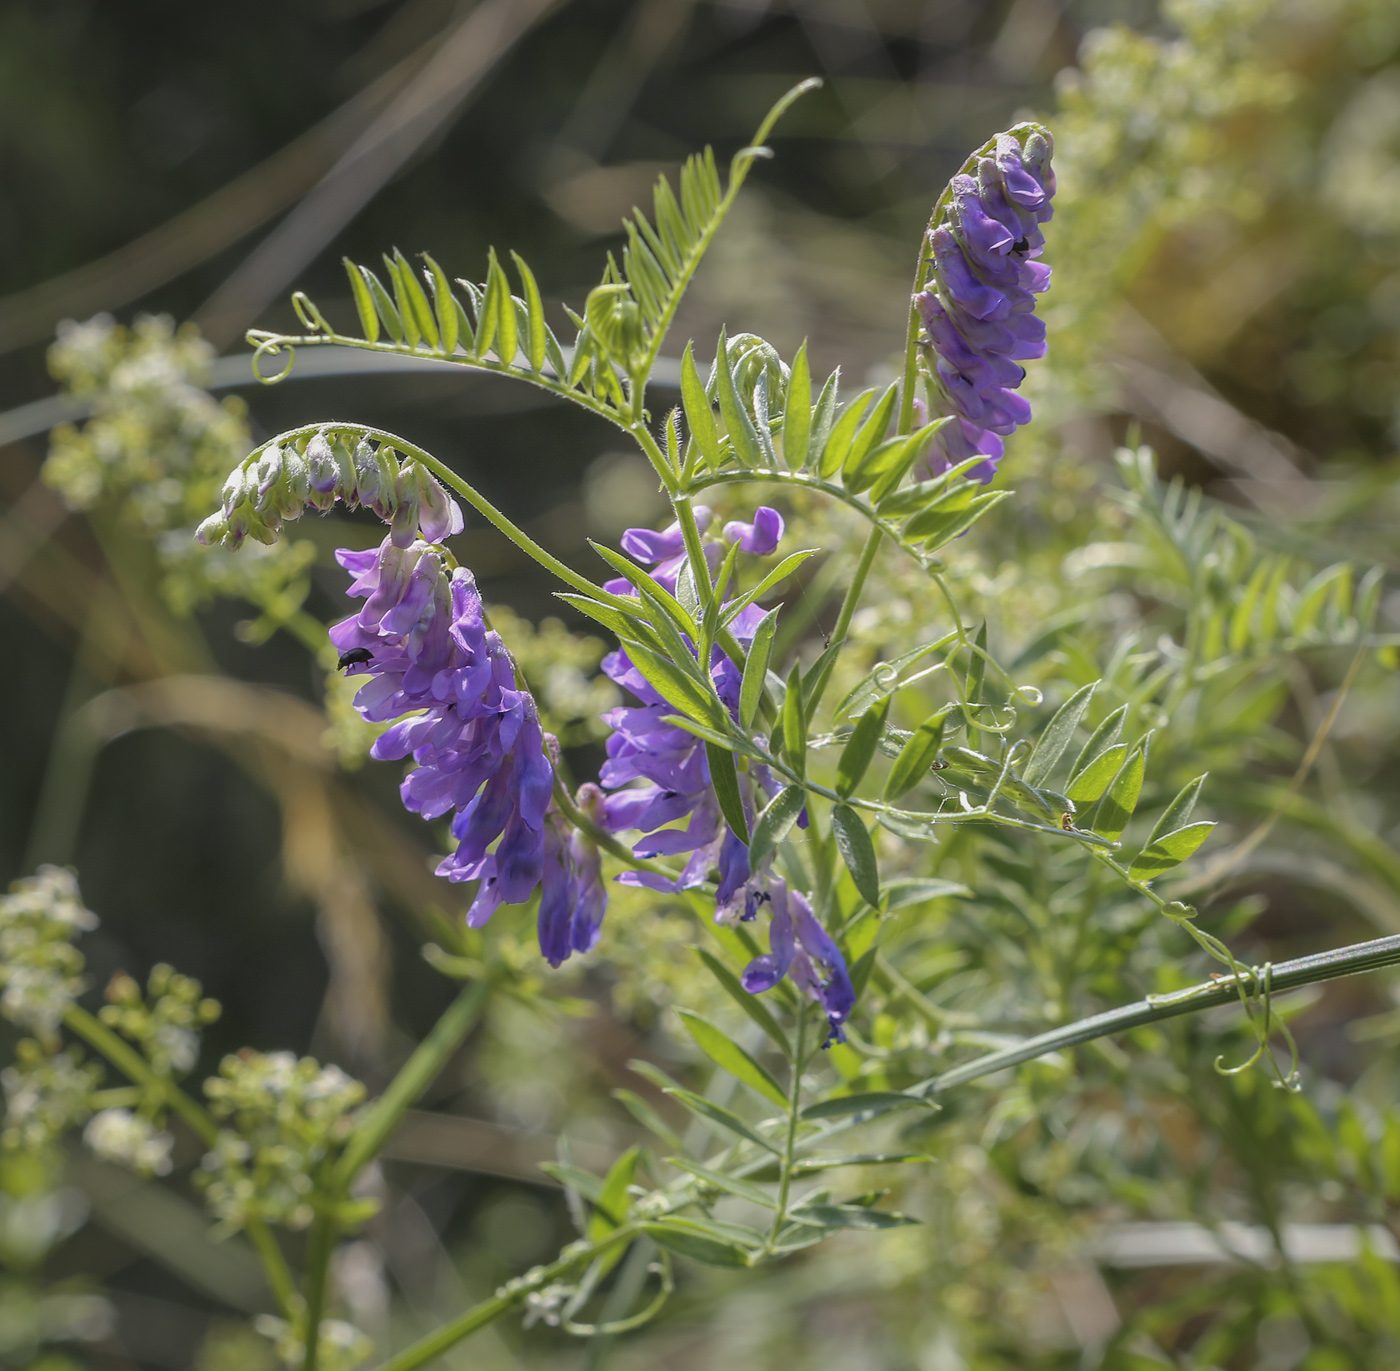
287,1117
40,969
46,1094
278,483
341,1347
130,1140
165,1022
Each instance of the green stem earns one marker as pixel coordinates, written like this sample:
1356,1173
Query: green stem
414,1077
799,1050
502,1302
1222,990
279,1275
318,1264
847,612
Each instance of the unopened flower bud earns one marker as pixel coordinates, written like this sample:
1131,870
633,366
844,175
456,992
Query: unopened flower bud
439,515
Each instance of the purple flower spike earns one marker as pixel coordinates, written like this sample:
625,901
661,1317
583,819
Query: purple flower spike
760,537
431,663
978,309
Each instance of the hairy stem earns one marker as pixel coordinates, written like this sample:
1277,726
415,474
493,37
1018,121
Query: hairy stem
799,1052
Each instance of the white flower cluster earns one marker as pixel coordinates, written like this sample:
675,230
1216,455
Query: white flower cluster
40,969
287,1116
127,1139
46,1094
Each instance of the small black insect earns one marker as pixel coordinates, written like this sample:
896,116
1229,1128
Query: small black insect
1021,245
355,657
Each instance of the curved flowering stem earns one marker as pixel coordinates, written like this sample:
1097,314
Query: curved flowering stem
470,494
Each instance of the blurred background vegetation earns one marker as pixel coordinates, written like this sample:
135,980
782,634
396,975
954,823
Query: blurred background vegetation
1227,286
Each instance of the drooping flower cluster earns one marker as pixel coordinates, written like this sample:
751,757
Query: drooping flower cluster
572,896
979,306
279,483
473,732
657,775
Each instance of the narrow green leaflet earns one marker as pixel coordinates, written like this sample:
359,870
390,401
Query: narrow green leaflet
678,688
416,300
793,722
814,1164
717,1113
797,417
648,1118
870,1102
857,851
610,1208
645,581
498,326
850,1216
746,1190
383,305
725,779
833,452
937,528
868,437
699,1241
860,748
726,1053
535,338
1100,740
823,416
752,1005
1179,811
1086,787
1056,738
776,821
756,670
699,417
445,307
916,757
1116,808
1170,850
742,434
587,1185
364,302
784,569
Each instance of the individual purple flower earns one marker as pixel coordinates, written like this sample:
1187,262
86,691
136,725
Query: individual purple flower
978,309
423,645
760,537
573,897
802,947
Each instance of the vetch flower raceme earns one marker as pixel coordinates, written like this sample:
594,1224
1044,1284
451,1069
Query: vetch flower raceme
473,732
978,309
